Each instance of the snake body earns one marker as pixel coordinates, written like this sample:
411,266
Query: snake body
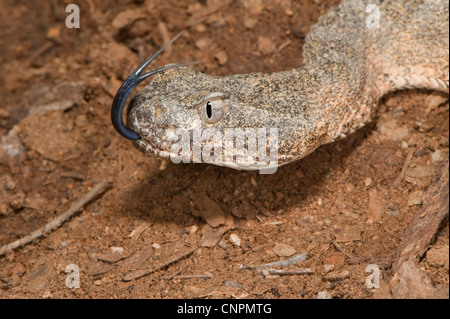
349,62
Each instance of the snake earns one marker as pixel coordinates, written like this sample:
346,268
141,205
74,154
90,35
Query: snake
353,56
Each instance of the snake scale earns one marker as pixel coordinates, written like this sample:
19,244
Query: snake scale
348,65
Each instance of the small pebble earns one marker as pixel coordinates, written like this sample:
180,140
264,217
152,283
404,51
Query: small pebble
435,99
337,276
203,43
328,267
163,165
324,295
437,157
283,250
192,229
200,28
368,181
415,198
221,57
235,240
266,45
115,249
156,246
438,257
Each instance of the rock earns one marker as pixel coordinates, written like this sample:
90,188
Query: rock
54,33
192,229
203,43
437,156
283,250
126,17
333,276
200,28
438,257
209,209
415,198
266,46
435,99
221,57
328,267
410,282
324,295
12,150
211,236
235,240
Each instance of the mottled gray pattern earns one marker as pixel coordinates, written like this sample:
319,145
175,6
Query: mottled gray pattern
347,68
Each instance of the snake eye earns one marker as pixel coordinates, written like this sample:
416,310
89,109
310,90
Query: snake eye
211,111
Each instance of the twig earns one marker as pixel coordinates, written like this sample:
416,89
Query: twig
58,221
281,48
290,272
280,263
205,275
400,177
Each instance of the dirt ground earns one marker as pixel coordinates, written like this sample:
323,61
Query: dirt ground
146,236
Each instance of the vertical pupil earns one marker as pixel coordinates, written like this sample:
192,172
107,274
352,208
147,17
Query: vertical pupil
208,110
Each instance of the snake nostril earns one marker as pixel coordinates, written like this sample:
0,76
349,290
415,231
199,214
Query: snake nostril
158,111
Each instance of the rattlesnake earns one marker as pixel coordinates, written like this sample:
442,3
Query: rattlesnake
355,54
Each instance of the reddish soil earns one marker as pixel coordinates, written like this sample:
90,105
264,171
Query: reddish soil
340,205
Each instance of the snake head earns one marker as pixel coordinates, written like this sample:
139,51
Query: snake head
193,117
231,121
